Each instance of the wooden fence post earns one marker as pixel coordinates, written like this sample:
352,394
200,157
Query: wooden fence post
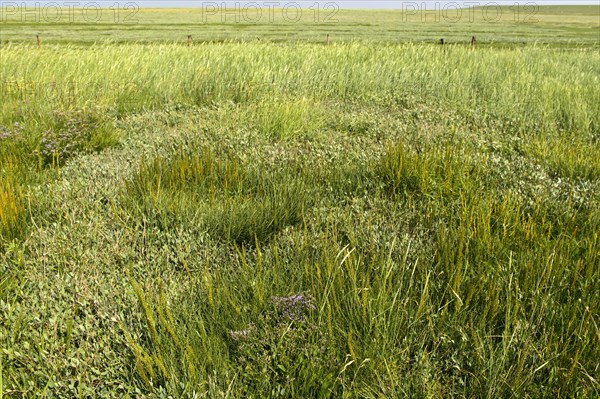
39,40
473,43
189,40
328,39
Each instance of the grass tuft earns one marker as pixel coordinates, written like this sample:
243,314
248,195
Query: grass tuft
231,200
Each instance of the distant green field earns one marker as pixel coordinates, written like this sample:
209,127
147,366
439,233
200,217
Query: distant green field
265,216
565,25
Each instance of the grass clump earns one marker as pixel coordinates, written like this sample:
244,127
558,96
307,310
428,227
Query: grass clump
13,213
75,133
433,171
228,198
564,156
280,118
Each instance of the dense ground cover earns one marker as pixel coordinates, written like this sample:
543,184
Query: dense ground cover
297,220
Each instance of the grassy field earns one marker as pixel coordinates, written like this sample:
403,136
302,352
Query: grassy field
381,217
571,26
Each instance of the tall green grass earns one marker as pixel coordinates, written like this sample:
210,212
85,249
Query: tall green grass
12,210
511,84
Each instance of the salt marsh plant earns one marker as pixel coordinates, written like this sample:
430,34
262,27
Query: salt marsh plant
231,199
12,211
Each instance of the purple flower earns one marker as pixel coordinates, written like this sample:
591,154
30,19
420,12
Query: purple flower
7,133
293,307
